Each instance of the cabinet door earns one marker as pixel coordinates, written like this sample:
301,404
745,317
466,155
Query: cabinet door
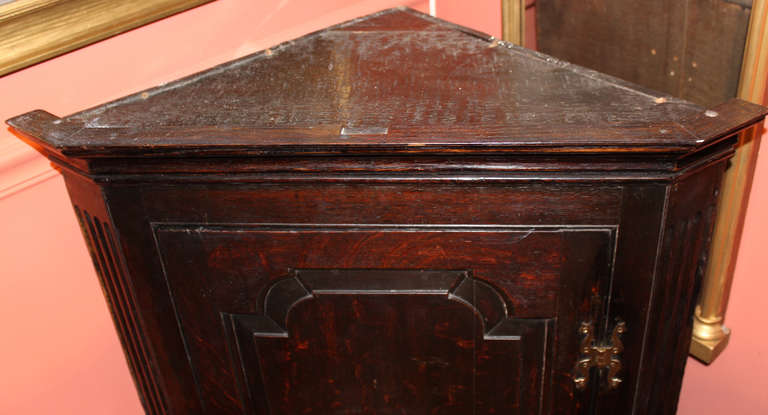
289,319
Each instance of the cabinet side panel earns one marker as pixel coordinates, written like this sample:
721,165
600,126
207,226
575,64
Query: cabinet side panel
681,261
153,304
98,233
633,271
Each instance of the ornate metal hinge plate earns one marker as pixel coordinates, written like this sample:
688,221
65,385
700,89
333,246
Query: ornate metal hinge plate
602,356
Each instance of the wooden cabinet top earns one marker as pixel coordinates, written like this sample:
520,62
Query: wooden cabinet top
394,82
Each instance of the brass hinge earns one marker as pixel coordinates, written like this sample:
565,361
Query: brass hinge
602,356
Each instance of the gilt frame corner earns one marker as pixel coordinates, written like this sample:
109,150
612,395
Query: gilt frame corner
32,31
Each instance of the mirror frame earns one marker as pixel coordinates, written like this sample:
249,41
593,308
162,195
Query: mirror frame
32,31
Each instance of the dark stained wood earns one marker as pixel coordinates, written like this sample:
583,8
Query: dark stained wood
367,308
93,215
353,91
685,241
258,260
690,49
573,257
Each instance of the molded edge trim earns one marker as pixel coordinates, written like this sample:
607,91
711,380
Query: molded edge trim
52,133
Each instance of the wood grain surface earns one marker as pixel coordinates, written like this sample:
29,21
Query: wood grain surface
691,49
396,81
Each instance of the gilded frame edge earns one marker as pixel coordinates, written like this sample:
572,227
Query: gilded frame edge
513,21
32,31
710,335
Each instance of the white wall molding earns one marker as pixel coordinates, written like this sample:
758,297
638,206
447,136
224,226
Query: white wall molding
21,167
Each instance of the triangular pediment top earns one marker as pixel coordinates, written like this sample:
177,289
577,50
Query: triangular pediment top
397,80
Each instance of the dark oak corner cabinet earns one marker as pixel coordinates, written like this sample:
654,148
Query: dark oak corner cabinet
398,215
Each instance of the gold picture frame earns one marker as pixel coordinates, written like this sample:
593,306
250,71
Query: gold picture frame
35,30
513,21
710,335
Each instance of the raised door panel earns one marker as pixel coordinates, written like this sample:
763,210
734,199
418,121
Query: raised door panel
389,342
285,319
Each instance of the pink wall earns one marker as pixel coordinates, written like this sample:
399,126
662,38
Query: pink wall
59,352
